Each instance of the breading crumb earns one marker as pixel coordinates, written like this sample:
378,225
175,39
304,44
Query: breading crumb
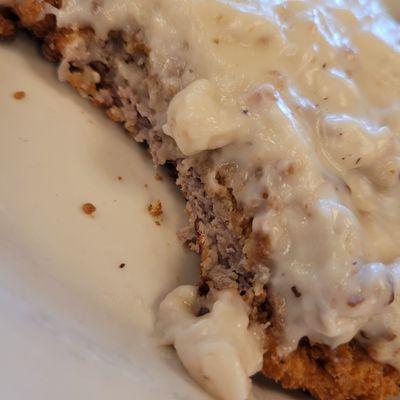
158,177
19,95
119,178
156,211
155,208
88,208
122,265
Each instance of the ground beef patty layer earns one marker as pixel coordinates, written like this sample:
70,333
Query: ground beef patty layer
219,230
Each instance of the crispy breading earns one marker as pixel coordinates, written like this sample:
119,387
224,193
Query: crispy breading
7,27
346,372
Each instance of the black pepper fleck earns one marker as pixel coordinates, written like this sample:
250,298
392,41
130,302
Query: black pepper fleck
296,291
392,294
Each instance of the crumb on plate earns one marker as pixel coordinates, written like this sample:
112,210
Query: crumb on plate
156,211
158,177
88,208
19,95
155,208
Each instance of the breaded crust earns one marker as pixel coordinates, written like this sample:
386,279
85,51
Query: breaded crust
342,374
7,27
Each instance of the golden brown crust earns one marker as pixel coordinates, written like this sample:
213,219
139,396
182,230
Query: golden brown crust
345,373
7,27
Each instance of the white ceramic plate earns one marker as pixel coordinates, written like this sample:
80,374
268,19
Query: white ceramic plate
73,324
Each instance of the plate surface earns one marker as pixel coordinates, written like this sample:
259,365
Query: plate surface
73,324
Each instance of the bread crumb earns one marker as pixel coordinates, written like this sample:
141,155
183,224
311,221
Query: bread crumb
122,265
156,211
155,208
88,208
158,177
114,114
119,178
146,185
19,95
